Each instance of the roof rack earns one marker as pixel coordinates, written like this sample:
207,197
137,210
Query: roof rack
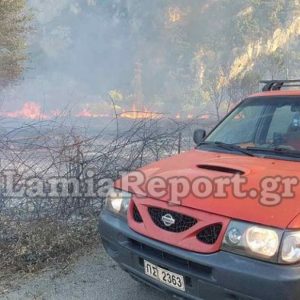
276,85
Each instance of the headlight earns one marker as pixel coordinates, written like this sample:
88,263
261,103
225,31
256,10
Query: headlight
118,201
252,240
290,250
262,241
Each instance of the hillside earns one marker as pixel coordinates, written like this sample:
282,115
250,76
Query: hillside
168,56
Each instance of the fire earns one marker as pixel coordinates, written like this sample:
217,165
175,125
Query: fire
33,111
137,114
204,117
87,113
30,110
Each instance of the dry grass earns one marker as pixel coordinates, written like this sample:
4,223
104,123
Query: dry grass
31,246
36,233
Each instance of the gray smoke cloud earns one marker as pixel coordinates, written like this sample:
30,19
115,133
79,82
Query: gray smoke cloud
168,55
77,54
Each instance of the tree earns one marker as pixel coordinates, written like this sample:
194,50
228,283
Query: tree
14,25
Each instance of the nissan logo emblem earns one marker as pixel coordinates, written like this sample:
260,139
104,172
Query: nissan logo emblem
168,220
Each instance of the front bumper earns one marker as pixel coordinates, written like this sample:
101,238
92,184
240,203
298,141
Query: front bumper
220,275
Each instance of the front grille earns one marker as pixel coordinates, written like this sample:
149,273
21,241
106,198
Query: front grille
210,234
181,222
136,215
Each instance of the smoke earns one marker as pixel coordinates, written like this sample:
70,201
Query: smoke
280,38
77,54
157,54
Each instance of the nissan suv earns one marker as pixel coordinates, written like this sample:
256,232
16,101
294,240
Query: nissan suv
221,221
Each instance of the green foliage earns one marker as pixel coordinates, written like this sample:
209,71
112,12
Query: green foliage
165,39
169,36
14,22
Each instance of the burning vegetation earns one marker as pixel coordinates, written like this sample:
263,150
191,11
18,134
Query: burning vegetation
183,61
136,114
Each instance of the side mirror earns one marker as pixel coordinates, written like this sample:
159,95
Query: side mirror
199,135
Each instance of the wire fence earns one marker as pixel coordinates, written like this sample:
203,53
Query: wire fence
35,228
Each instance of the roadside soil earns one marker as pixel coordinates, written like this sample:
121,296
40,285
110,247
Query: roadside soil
90,274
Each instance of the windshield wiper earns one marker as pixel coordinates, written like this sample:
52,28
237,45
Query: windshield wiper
229,147
276,150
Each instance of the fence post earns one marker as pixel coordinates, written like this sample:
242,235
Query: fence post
179,142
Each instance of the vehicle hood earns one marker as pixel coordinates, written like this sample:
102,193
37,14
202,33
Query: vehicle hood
213,165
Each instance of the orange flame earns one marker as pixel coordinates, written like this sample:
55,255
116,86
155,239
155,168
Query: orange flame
204,117
30,110
85,113
137,114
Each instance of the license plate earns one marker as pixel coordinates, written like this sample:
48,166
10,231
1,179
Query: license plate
169,278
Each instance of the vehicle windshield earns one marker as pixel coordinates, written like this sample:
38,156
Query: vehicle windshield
268,124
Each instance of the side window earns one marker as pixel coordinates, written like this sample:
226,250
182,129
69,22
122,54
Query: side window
281,121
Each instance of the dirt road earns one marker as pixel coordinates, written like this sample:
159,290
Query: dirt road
92,276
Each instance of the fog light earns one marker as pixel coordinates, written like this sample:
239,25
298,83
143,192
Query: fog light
116,204
234,236
117,201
